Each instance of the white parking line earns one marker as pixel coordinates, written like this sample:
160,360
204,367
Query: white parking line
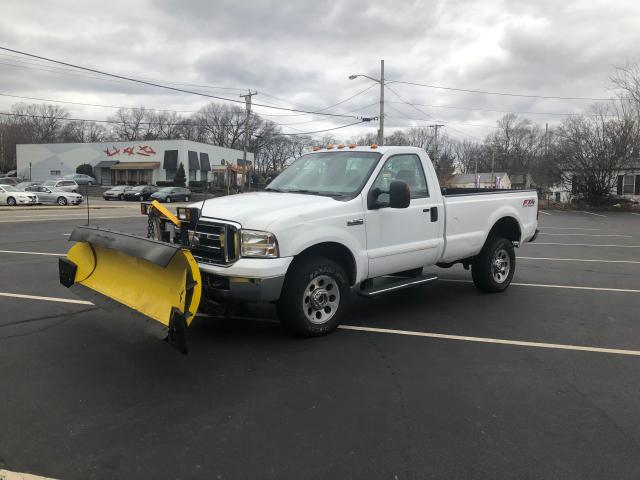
576,260
568,228
46,299
545,285
596,214
546,213
9,475
585,245
635,214
33,253
497,341
585,235
80,217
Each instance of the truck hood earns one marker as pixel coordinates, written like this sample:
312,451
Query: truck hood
258,210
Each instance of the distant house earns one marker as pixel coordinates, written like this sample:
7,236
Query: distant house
479,180
521,181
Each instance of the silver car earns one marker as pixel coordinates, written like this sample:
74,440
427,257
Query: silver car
55,195
62,184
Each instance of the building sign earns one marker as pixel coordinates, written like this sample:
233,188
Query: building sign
144,150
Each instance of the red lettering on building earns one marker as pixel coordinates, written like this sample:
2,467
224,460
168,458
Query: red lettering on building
146,150
111,153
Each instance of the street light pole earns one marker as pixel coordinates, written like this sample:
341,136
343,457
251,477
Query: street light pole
382,84
381,131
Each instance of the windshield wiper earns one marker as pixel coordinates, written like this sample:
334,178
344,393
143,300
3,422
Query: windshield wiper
273,190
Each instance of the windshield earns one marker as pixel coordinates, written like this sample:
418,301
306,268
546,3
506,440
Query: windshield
9,188
327,173
138,188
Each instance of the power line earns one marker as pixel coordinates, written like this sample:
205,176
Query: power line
425,113
167,87
504,94
522,112
327,129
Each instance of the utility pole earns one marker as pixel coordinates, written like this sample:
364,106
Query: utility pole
382,84
2,148
435,127
247,102
381,131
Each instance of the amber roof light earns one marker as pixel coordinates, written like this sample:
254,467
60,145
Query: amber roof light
374,145
352,145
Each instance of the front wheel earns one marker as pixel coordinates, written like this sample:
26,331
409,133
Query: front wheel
11,202
492,270
186,199
121,197
168,199
61,201
314,297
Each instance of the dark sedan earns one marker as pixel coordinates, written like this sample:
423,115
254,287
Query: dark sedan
172,194
140,193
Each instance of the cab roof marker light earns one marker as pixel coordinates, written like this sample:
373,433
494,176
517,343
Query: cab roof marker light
374,145
316,148
341,145
330,146
352,145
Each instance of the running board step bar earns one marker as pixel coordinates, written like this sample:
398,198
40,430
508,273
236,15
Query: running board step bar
395,286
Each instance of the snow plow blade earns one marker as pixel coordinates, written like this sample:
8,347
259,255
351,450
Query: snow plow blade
157,279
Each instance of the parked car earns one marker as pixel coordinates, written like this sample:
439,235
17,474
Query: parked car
10,181
55,195
141,192
62,184
10,195
25,185
81,179
172,194
116,193
10,173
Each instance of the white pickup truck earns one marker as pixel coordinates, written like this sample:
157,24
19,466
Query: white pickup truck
338,218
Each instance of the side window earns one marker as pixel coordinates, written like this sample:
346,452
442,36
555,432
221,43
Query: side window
406,168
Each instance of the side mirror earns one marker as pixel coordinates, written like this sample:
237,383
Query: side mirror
399,194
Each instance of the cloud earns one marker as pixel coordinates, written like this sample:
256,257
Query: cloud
301,53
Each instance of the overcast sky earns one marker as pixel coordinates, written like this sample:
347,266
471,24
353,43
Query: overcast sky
300,53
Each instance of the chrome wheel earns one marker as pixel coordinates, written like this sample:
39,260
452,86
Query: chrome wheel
500,265
321,299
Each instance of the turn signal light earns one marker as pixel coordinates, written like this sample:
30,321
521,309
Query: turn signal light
374,145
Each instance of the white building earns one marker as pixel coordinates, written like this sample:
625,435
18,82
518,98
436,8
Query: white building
130,162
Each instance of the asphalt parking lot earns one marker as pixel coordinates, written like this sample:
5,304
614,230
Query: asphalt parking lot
541,381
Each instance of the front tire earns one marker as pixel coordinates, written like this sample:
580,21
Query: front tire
314,297
121,197
493,268
186,199
11,202
168,199
61,201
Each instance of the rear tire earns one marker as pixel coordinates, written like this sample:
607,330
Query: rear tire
493,268
168,199
61,201
314,297
186,199
121,197
11,202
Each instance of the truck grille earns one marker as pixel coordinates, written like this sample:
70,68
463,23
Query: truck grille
218,243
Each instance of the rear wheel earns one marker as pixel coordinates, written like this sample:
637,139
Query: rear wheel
168,199
121,197
61,201
90,183
314,297
11,202
492,270
186,199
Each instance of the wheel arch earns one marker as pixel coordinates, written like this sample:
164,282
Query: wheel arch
506,227
335,251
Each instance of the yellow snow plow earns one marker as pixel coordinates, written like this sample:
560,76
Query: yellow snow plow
151,276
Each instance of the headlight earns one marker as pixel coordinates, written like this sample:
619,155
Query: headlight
258,244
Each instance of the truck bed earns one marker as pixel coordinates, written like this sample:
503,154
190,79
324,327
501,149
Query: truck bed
471,212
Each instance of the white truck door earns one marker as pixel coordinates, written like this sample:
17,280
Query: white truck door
403,238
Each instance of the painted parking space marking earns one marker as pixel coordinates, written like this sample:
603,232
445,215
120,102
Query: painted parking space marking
585,245
545,213
576,260
32,253
638,214
596,214
497,341
585,234
546,285
79,217
45,299
568,228
9,475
